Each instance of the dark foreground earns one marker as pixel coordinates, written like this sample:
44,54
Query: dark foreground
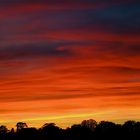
87,130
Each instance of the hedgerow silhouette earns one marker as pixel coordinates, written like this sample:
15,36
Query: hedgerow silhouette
87,130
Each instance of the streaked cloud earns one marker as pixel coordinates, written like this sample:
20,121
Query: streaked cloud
69,58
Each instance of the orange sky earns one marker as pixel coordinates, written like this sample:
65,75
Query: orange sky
64,65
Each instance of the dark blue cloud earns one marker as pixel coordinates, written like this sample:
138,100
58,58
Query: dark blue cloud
120,18
32,50
37,49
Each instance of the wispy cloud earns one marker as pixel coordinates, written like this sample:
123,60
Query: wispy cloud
69,55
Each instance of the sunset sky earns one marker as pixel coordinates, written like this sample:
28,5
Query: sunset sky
64,61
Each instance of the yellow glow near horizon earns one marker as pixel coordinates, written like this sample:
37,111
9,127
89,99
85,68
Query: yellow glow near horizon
67,120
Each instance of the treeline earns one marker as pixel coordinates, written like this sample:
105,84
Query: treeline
87,130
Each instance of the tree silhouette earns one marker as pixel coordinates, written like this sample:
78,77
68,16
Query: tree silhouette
107,130
91,124
86,130
3,132
21,125
50,131
3,129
